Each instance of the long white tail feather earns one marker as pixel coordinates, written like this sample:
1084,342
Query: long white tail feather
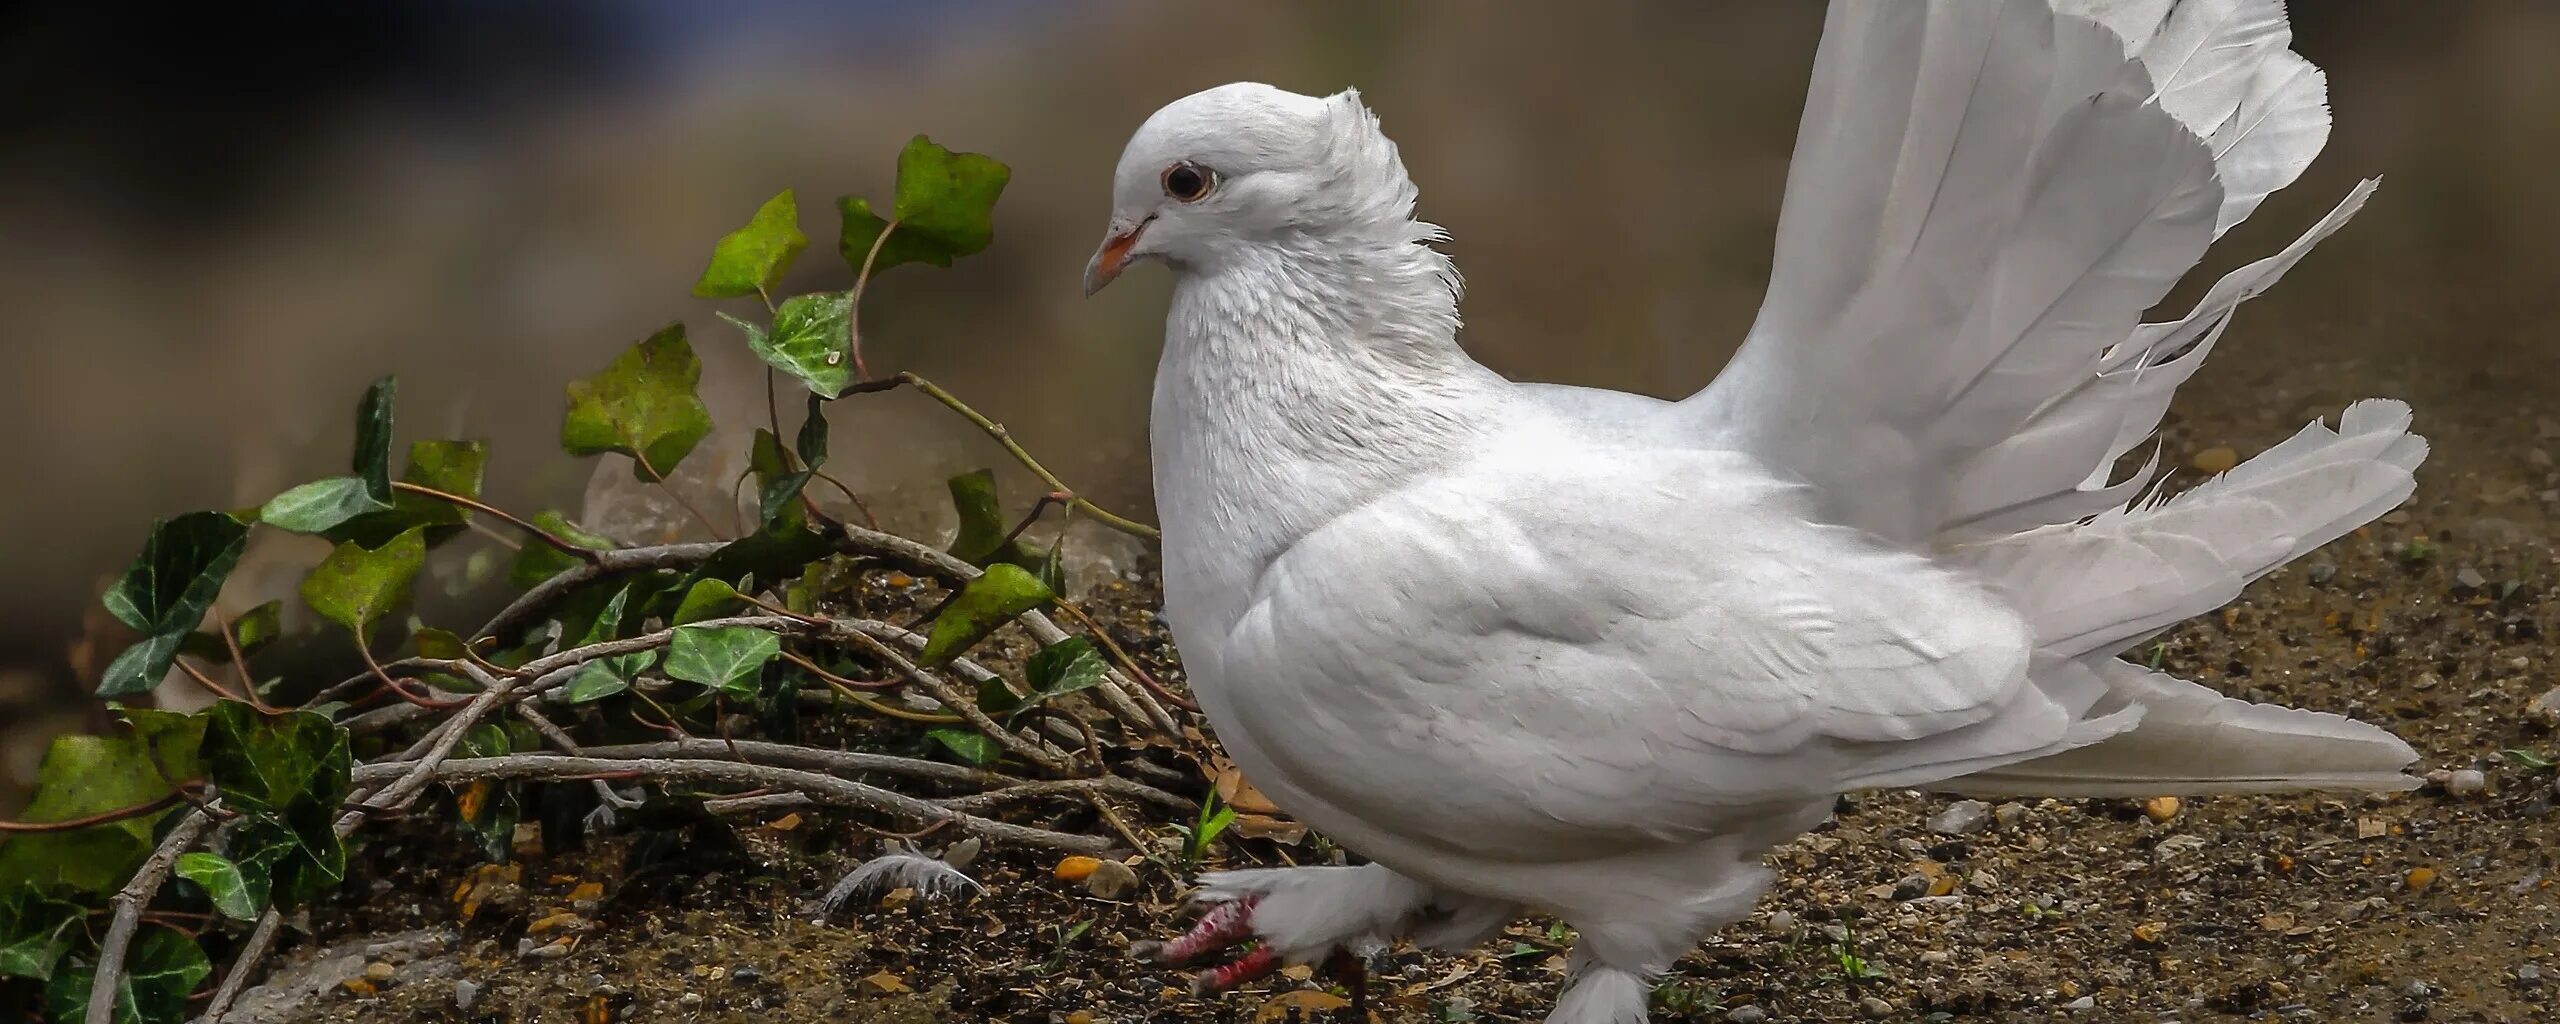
2194,741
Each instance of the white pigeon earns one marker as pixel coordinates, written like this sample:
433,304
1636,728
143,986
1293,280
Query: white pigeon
1530,648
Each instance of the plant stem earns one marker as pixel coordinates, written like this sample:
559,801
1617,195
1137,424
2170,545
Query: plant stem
101,818
240,663
555,540
1004,437
128,903
853,305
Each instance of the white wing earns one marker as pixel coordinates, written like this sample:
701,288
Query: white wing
1561,649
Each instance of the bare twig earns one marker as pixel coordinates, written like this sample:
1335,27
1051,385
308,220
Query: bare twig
533,602
826,789
1107,785
789,755
129,902
941,691
252,949
1134,706
1014,448
101,818
239,662
566,547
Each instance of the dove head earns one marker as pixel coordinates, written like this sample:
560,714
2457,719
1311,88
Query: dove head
1248,168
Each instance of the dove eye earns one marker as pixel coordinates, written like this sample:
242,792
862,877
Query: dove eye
1189,182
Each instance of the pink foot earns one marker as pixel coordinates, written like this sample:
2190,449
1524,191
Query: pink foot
1225,924
1253,966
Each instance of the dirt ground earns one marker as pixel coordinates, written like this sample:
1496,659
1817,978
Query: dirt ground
2434,905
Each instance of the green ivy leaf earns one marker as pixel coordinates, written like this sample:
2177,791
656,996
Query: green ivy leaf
160,968
292,860
945,209
969,744
373,438
1062,668
994,598
82,776
811,340
165,592
752,259
454,467
321,505
981,541
356,586
271,764
175,742
730,659
770,555
443,645
708,599
604,677
778,484
643,405
538,561
231,894
812,441
36,929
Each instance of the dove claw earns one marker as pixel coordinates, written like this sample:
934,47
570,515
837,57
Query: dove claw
1253,966
1223,925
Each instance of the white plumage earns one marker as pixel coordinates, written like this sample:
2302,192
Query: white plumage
1529,647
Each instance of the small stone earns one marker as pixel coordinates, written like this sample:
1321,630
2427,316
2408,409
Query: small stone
1746,1014
553,951
2321,572
746,975
1911,887
1781,923
1076,869
2009,813
466,994
690,1000
2419,990
2529,975
2396,517
2418,879
380,973
2470,578
1111,880
2545,708
2160,808
1963,817
2149,933
1935,956
1875,1008
2083,1004
2217,459
961,854
2466,782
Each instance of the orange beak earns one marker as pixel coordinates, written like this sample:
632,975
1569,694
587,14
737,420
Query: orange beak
1112,258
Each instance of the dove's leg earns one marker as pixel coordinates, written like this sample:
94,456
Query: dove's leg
1320,915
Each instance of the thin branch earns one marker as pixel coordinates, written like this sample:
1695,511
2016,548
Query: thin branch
853,304
252,949
868,702
204,680
139,810
240,662
826,789
832,679
1135,706
532,603
820,759
566,546
1105,786
129,902
933,685
1127,663
1005,437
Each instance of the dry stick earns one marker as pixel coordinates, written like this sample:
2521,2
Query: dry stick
533,602
204,680
1133,705
826,789
941,691
1108,785
101,818
555,540
128,903
786,755
240,662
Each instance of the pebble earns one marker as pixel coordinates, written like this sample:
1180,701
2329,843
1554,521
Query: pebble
690,1000
1746,1014
2470,578
2083,1004
746,975
2466,782
380,973
2160,808
2009,813
466,994
1782,923
2529,975
1875,1007
2322,572
1111,880
2217,459
1963,817
961,854
2545,708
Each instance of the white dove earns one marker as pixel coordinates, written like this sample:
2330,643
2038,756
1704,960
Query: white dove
1531,648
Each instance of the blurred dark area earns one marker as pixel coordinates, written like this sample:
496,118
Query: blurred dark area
225,219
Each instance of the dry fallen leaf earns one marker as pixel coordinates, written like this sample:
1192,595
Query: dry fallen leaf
561,922
2149,933
1264,826
1306,1001
885,983
785,823
2371,828
2161,808
587,892
1238,792
2419,879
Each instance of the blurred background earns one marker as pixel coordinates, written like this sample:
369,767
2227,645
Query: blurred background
223,220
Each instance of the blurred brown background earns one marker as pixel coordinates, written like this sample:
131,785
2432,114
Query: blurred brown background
222,221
